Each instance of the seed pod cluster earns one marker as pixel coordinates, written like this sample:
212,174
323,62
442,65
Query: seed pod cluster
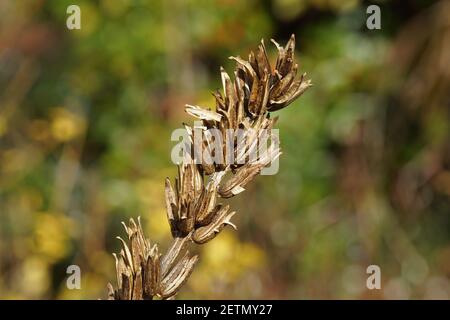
141,271
193,211
246,103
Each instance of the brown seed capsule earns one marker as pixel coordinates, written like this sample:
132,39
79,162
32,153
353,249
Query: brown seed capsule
178,275
220,220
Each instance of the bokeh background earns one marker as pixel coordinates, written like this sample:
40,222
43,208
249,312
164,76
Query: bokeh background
85,124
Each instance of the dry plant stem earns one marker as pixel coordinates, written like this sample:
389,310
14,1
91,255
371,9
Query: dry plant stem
193,211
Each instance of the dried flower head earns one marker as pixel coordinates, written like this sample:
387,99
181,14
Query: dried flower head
192,210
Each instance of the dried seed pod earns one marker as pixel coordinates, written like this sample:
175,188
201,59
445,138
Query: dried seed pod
220,102
245,65
284,83
120,269
240,92
168,259
126,255
208,200
187,218
152,274
220,220
171,208
208,217
262,60
178,275
111,293
189,188
136,250
236,184
254,64
288,60
262,95
253,99
137,293
281,55
201,113
125,290
296,89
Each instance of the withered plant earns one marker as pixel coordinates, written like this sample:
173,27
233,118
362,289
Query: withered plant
193,211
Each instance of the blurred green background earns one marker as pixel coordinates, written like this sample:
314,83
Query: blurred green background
85,123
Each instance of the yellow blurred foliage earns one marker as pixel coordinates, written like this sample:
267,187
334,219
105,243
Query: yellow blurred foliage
39,130
225,260
34,279
17,160
158,228
150,192
92,285
3,126
151,195
90,19
115,8
66,125
52,235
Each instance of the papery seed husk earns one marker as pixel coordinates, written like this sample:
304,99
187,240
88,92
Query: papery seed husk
137,288
169,258
178,275
220,220
201,113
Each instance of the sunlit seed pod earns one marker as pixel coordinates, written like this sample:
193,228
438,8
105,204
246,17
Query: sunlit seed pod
172,254
111,292
219,221
203,114
171,207
137,293
178,275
